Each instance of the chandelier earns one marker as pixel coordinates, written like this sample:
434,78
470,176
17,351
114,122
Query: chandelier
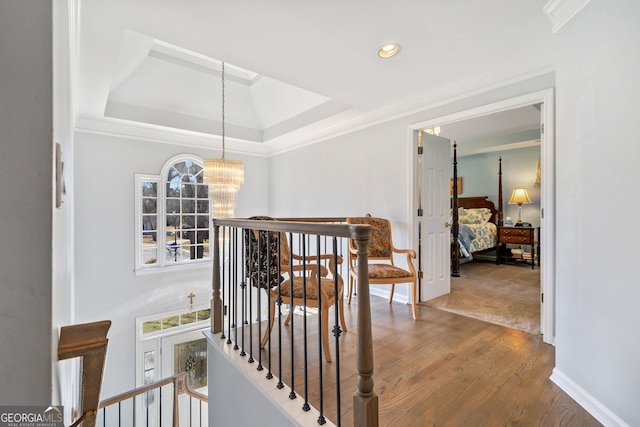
224,177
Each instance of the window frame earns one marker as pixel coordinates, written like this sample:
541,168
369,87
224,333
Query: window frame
161,223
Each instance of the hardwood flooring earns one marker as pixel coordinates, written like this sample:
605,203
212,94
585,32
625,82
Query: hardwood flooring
441,370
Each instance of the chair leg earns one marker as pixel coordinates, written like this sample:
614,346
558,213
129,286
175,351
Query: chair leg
265,338
286,322
414,292
393,288
341,308
325,334
350,288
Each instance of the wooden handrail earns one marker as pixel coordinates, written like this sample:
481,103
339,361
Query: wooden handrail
140,390
365,400
89,341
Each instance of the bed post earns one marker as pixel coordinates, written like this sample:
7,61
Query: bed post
500,219
455,244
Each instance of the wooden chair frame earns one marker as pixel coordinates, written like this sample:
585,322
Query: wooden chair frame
411,277
311,272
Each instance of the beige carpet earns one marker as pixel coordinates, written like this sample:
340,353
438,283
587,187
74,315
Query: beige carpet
506,295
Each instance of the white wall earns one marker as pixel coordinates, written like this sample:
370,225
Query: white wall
598,69
25,215
368,170
105,283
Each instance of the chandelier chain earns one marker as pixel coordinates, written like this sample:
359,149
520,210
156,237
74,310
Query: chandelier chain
223,110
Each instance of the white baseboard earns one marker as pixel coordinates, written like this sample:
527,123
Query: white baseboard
586,400
385,291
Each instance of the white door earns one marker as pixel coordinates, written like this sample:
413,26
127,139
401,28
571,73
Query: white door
186,352
436,234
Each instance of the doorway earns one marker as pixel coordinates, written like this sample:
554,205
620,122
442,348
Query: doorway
547,188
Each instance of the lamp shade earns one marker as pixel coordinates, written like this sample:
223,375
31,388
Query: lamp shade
519,196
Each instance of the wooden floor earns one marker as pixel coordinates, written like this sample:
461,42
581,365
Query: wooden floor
441,370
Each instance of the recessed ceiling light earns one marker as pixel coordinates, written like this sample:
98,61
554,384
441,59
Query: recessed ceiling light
388,50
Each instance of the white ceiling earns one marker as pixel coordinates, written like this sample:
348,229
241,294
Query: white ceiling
296,70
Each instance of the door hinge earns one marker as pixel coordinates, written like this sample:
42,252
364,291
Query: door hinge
542,213
420,150
420,274
542,297
420,212
542,128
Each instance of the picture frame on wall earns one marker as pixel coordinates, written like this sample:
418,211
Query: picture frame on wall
459,186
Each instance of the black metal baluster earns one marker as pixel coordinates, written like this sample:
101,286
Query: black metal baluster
233,260
292,393
269,308
250,290
147,408
261,251
243,283
305,406
321,419
337,331
280,385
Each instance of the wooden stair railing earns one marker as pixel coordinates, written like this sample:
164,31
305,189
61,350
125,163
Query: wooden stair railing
89,341
365,400
176,380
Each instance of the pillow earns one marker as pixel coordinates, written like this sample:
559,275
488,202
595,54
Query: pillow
476,216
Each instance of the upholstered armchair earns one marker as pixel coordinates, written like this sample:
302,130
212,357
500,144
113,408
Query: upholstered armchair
382,268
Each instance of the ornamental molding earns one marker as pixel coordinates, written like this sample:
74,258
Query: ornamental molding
562,11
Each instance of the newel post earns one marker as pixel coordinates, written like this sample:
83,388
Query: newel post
365,401
216,302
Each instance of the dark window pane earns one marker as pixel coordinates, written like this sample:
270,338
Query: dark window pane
188,206
203,221
149,222
188,221
149,189
173,221
203,206
203,191
203,236
149,206
189,190
188,178
173,205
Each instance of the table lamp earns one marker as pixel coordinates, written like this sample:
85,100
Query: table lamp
519,196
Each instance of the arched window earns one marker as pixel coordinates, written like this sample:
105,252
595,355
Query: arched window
173,215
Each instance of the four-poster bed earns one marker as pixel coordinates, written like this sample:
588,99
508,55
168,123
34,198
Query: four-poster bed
474,221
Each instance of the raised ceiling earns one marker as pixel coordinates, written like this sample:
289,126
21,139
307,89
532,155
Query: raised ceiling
295,71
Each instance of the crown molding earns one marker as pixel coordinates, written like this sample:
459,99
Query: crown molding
165,135
562,11
337,125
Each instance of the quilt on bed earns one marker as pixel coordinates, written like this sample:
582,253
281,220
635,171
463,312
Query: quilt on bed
475,232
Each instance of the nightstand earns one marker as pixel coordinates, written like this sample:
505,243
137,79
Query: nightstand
516,236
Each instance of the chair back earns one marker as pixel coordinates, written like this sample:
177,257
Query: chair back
263,257
380,242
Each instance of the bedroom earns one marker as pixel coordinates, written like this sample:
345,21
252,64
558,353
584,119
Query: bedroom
505,294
